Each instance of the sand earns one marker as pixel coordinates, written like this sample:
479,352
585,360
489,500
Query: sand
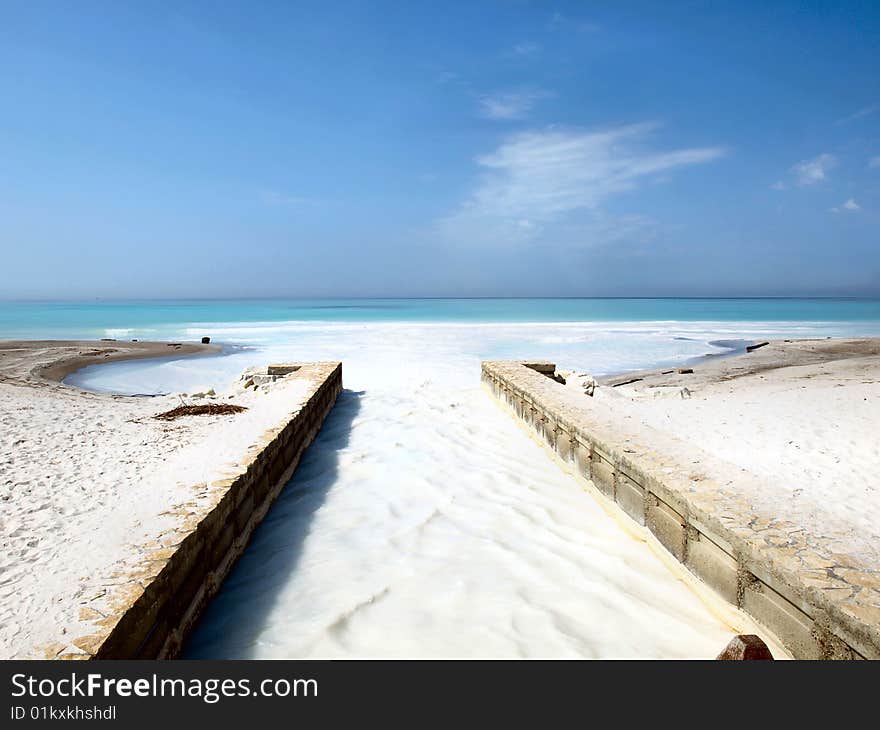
422,522
517,564
802,416
87,478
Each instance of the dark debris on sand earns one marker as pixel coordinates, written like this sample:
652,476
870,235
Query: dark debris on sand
207,409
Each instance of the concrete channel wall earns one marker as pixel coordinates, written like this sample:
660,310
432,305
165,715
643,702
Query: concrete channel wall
168,598
798,605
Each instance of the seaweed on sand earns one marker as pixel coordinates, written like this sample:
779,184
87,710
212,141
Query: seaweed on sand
206,409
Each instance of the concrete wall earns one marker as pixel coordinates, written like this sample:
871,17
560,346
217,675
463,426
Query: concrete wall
800,606
167,599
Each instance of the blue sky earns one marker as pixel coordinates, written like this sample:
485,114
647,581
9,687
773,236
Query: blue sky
439,149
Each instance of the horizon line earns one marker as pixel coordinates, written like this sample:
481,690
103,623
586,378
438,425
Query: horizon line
110,300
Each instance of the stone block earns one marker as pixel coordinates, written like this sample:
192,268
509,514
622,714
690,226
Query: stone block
545,368
832,647
602,474
563,444
551,432
713,565
793,627
282,369
539,424
667,525
582,458
631,497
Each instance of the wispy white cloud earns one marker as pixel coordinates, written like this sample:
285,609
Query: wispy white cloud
778,185
542,178
850,206
559,21
510,104
810,172
446,77
527,48
860,114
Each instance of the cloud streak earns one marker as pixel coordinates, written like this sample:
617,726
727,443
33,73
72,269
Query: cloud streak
510,105
860,114
540,178
559,21
527,48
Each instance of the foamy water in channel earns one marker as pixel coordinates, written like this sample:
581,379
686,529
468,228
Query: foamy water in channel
424,522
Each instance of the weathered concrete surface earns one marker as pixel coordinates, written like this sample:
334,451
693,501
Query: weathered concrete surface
157,605
819,603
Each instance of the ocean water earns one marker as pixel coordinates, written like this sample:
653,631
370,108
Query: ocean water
423,521
599,335
159,318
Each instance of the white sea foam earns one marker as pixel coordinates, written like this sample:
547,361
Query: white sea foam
425,522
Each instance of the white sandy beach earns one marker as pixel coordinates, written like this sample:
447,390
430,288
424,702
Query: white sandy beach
803,417
86,478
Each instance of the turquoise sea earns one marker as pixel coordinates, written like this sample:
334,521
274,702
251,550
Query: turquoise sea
159,317
378,335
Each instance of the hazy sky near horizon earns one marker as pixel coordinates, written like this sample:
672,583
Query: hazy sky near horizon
439,149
